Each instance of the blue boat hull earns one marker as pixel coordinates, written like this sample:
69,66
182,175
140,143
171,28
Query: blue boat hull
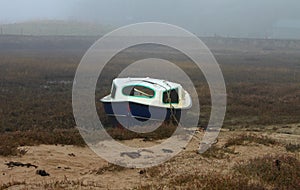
140,112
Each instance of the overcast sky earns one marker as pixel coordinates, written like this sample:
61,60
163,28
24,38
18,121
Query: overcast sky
223,17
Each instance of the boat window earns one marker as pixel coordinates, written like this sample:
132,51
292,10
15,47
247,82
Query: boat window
113,91
138,91
173,94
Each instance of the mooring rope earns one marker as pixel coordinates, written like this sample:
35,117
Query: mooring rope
172,109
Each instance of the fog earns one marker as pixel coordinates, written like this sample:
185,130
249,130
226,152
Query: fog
256,18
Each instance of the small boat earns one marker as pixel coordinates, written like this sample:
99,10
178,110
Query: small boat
146,99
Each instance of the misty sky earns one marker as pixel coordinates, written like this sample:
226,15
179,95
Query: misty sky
206,17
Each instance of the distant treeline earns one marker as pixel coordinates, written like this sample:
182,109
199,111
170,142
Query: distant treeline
47,42
53,27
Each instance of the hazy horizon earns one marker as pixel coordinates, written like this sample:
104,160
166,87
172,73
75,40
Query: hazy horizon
233,18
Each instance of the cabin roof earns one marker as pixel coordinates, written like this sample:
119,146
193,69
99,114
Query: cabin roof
156,84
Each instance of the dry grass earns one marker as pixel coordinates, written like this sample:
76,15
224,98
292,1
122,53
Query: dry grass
13,140
11,184
218,152
214,181
268,172
246,139
109,168
281,172
69,184
53,185
293,147
211,181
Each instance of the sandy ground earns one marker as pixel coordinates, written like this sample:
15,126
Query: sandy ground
80,168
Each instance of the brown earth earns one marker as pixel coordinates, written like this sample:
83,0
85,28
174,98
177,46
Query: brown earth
72,167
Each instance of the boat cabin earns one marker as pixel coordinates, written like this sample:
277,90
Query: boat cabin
152,92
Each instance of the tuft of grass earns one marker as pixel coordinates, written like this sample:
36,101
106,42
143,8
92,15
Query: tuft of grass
69,184
218,152
292,147
8,149
110,168
249,138
159,171
11,184
282,172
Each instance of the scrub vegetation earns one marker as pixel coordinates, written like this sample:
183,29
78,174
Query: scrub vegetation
36,76
263,88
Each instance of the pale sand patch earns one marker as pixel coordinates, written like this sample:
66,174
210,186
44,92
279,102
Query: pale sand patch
80,171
